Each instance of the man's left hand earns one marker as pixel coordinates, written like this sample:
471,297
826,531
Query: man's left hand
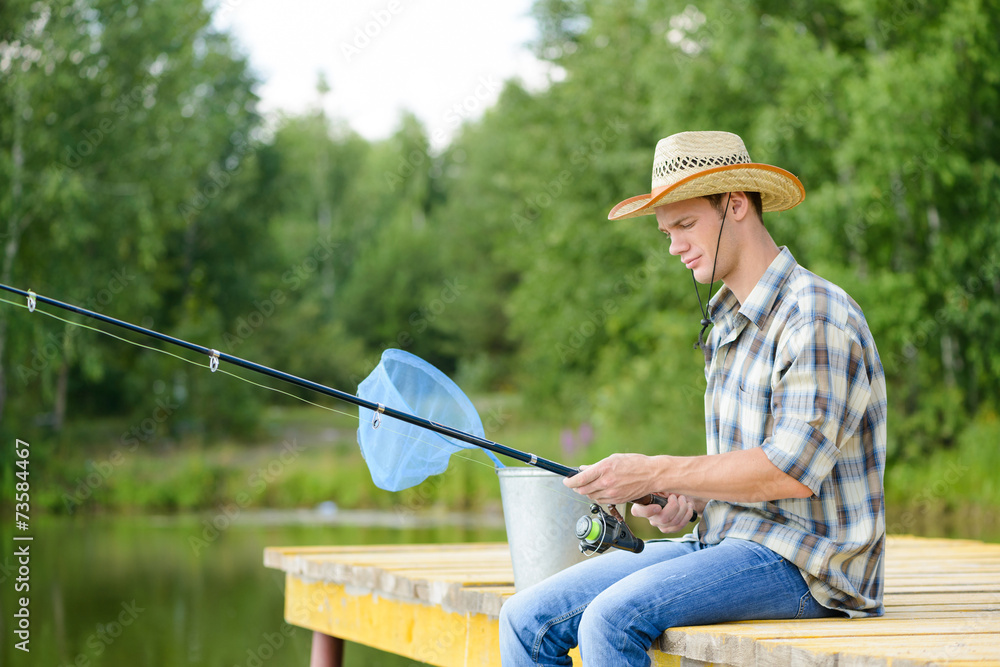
617,479
670,518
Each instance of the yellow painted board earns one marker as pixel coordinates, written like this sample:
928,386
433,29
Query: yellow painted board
657,659
419,632
660,659
425,633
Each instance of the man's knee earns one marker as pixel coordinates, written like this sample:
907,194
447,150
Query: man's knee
515,615
506,612
608,619
519,629
598,619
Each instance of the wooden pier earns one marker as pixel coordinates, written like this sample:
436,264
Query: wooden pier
439,604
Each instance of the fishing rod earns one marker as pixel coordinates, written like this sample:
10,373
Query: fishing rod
597,532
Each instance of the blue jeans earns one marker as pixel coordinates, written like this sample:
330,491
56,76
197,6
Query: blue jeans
615,605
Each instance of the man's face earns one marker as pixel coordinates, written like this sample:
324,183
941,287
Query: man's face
693,228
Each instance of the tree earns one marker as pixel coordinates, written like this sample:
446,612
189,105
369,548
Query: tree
130,123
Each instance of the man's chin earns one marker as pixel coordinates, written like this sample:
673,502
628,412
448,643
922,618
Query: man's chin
702,278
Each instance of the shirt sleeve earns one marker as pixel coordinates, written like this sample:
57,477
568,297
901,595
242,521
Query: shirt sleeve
817,401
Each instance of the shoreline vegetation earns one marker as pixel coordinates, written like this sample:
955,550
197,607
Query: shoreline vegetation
148,184
305,458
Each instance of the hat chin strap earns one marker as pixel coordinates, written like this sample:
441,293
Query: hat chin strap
705,321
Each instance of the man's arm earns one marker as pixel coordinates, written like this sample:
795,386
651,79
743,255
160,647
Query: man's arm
820,399
739,476
821,396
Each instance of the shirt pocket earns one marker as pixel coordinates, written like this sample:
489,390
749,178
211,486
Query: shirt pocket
755,416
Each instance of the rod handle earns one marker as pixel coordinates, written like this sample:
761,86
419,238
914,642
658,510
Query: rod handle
655,499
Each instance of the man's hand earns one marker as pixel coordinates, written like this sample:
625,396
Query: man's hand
616,479
675,515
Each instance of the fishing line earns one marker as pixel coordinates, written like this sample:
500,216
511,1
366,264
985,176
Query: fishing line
439,414
177,356
567,493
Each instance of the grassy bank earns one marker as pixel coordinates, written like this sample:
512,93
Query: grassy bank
303,457
954,486
306,456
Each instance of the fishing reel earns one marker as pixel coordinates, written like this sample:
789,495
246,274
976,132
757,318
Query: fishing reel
601,530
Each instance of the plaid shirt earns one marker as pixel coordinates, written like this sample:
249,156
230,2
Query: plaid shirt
794,370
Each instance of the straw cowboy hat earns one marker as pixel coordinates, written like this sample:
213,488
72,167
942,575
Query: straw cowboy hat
695,164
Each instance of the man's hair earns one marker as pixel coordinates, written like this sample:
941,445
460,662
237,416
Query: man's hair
719,203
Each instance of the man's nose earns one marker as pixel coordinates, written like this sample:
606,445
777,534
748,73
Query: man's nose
677,246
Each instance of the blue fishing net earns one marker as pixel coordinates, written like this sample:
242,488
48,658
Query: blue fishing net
400,455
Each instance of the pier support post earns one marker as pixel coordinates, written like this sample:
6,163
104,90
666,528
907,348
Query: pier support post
327,651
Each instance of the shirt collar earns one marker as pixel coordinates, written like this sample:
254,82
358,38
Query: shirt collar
724,308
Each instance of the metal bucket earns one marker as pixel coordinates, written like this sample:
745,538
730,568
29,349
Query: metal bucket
540,515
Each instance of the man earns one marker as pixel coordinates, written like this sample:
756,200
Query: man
790,494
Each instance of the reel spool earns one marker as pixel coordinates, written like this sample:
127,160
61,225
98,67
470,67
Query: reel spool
601,530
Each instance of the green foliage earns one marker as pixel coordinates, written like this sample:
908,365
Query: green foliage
956,478
128,153
141,183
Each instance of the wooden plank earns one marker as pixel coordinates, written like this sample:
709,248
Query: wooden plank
290,559
902,613
441,579
938,588
931,616
426,633
901,564
983,600
966,616
738,643
843,627
391,548
946,577
480,559
888,650
875,650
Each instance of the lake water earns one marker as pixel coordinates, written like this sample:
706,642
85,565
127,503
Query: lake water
179,592
174,591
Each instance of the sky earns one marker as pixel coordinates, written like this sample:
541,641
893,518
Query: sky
444,60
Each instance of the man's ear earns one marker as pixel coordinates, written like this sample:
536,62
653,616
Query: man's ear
739,205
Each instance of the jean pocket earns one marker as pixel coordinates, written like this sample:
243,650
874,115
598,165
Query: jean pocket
804,604
809,607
